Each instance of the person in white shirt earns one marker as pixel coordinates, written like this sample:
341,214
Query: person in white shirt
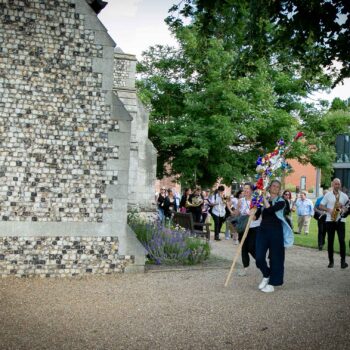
243,208
333,203
218,212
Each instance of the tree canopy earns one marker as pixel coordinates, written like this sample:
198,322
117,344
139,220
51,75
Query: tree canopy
228,93
316,32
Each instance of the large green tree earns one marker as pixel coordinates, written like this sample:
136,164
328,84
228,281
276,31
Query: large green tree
223,97
316,32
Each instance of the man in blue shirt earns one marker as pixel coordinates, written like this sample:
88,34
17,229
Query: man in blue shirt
305,210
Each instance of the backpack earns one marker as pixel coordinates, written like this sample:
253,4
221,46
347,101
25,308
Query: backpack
240,223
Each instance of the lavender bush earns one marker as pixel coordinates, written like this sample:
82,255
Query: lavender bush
169,245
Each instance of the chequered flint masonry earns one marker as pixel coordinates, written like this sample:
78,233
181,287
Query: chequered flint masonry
54,121
60,256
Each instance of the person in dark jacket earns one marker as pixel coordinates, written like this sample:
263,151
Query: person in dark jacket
184,199
195,204
270,238
287,212
160,204
170,206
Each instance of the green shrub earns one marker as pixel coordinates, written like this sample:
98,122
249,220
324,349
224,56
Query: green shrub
169,246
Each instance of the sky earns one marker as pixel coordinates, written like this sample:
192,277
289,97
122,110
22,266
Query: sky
135,25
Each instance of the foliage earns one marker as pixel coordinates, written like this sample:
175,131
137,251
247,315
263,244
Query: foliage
229,93
290,187
169,246
339,104
321,132
313,33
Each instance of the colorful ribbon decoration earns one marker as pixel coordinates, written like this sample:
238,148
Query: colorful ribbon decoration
271,165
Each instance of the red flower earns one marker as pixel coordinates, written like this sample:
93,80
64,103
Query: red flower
298,135
260,184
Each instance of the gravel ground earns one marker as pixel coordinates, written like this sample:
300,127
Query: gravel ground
187,309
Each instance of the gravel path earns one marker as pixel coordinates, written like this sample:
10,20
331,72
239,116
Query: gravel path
187,309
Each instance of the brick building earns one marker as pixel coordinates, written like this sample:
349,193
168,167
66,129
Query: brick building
304,176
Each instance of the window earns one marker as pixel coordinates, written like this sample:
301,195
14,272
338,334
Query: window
342,145
303,183
344,176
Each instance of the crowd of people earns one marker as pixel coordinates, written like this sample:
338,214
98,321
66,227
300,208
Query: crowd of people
202,204
270,227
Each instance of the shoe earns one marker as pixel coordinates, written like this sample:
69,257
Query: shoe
217,239
331,264
264,283
297,233
268,289
236,242
320,248
227,238
242,273
344,265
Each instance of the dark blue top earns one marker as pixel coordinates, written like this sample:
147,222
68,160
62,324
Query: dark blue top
269,218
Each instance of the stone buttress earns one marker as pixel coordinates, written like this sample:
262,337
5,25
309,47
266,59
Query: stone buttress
64,144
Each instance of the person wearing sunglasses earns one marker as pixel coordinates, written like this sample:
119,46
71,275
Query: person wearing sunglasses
287,196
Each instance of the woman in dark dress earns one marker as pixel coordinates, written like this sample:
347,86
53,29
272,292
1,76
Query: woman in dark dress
271,238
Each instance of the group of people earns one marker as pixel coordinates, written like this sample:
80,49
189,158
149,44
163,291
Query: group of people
270,226
200,203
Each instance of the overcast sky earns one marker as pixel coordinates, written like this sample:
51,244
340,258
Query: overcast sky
137,24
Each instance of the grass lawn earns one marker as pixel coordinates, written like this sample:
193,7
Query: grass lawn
311,239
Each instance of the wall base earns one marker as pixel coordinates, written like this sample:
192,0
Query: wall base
61,256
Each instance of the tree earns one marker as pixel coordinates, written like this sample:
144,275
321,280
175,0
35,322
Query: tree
339,104
321,130
315,32
224,96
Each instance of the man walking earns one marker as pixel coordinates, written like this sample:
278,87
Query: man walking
333,203
320,216
305,210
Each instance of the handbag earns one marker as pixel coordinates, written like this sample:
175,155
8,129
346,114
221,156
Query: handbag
240,222
317,215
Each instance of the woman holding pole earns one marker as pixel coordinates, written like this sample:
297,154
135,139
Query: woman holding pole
271,238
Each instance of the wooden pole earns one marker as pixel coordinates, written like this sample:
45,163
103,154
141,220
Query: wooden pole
239,249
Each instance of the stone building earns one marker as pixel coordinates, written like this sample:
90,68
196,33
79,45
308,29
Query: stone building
71,147
143,155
